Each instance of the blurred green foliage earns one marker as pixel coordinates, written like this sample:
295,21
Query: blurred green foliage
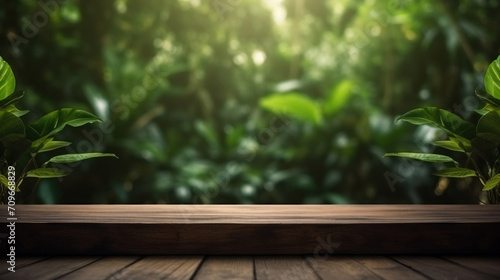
227,101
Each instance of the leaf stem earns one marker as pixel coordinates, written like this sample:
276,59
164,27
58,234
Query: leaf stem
25,170
481,177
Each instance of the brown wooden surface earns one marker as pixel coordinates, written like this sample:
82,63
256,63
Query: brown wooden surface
489,266
159,267
23,262
256,267
226,267
103,268
256,229
388,269
283,267
342,268
48,269
437,268
256,214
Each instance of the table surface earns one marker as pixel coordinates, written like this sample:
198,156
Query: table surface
253,229
255,267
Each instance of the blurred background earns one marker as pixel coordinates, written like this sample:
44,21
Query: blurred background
244,101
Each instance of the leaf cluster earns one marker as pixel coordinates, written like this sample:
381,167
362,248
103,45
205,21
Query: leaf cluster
480,141
20,139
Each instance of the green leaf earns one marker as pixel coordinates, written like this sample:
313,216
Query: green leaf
10,125
484,110
294,104
338,97
489,123
422,157
77,157
492,79
46,173
3,180
491,102
442,119
20,113
485,146
53,145
39,143
12,109
487,137
7,79
491,183
449,145
456,172
55,121
11,99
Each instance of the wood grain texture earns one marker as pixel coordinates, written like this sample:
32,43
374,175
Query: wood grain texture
21,262
256,229
101,269
388,269
266,267
490,266
49,269
437,268
283,267
336,267
256,214
226,267
160,267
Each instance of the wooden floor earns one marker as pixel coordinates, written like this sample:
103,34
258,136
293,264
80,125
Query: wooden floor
255,267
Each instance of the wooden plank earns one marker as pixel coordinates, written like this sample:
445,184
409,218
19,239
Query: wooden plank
256,214
488,265
226,267
101,269
283,267
160,267
21,262
344,267
273,229
387,268
437,268
50,268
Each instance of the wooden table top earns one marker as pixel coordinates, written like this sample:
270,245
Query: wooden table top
253,229
257,214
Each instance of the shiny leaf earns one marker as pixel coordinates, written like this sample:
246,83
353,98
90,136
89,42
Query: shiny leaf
422,157
55,121
492,79
449,122
449,145
7,80
77,157
456,172
492,183
46,173
53,145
